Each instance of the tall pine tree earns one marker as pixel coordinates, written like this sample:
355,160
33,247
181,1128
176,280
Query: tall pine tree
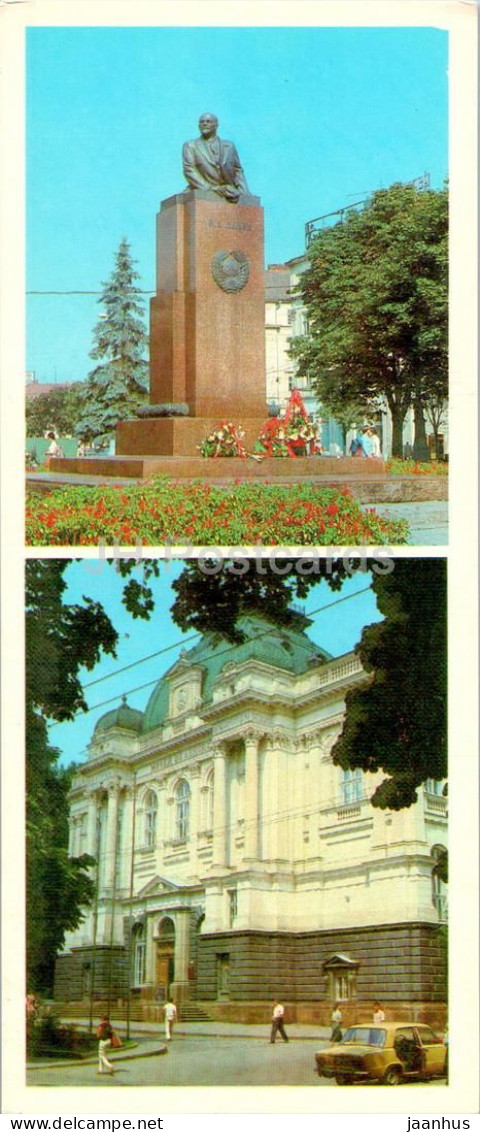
119,384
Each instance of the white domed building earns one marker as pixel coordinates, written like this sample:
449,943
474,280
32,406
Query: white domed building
236,863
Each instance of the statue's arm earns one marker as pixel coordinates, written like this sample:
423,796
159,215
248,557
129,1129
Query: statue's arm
192,174
240,180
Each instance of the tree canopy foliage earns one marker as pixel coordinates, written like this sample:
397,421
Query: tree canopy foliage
397,723
118,385
376,297
59,409
60,639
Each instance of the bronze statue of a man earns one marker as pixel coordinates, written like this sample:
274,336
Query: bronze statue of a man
209,163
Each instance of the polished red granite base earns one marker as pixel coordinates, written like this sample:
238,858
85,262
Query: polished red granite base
224,468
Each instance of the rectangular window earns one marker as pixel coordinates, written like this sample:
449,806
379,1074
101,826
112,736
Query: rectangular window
139,963
342,988
150,828
351,787
233,905
434,786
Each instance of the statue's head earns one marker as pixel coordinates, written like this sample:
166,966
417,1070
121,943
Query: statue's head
208,124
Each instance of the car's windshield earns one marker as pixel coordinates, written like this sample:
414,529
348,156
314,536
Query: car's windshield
364,1035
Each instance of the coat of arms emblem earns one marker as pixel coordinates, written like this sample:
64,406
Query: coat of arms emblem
230,270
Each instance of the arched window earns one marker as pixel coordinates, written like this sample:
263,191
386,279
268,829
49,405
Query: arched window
139,952
182,811
151,807
351,786
439,888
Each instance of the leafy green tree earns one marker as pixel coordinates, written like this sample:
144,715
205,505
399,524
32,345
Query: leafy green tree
119,384
397,722
377,302
60,639
60,408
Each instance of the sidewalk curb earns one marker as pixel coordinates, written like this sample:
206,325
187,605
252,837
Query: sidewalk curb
76,1063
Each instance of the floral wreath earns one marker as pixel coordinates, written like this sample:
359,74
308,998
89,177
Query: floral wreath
292,435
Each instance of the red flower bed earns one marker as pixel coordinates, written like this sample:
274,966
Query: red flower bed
160,513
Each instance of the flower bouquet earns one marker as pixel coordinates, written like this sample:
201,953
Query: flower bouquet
226,440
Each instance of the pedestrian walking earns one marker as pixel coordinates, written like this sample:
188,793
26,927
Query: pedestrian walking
170,1012
104,1035
277,1022
336,1034
378,1014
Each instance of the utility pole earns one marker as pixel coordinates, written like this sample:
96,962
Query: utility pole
95,920
130,917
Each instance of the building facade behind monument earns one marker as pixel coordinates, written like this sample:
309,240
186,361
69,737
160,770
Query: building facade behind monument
286,319
236,863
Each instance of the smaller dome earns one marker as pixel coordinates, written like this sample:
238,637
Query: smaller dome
123,716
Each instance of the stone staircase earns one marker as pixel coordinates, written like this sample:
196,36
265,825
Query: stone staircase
146,1012
190,1012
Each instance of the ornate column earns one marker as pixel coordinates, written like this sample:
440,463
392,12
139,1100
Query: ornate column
72,836
180,986
194,818
92,837
111,834
252,739
219,847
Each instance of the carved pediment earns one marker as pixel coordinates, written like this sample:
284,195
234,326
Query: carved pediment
339,960
158,885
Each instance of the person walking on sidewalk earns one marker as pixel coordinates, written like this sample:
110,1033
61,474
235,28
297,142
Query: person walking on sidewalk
336,1034
170,1012
277,1022
104,1035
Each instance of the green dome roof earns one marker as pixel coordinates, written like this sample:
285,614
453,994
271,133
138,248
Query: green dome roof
123,716
283,647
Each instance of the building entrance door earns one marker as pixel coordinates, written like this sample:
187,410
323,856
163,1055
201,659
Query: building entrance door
165,969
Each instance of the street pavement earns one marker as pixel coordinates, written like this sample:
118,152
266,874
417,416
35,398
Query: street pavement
428,522
193,1060
201,1053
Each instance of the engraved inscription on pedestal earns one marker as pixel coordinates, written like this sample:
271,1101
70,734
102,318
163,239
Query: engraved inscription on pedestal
230,270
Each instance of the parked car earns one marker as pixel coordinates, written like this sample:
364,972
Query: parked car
390,1053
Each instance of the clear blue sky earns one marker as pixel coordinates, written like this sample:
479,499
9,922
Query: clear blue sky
320,116
336,629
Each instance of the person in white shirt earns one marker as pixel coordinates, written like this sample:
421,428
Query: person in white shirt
375,440
170,1012
378,1014
336,1023
277,1022
53,448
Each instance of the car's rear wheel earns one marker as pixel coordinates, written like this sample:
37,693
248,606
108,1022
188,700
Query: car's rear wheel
393,1076
344,1079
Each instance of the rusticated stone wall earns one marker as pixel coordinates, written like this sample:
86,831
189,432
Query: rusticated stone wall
396,963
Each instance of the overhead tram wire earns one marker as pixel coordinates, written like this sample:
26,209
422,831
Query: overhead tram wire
179,644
